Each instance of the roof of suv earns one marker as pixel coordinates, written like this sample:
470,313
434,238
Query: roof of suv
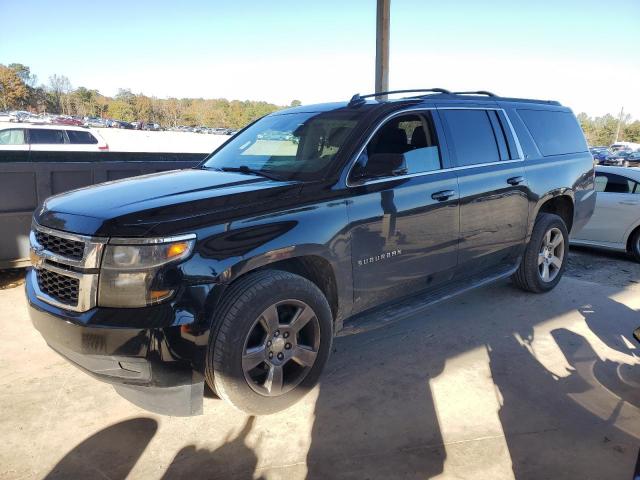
438,95
48,126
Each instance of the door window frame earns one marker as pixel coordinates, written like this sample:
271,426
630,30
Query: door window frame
446,155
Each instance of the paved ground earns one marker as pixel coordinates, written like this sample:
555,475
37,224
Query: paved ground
492,384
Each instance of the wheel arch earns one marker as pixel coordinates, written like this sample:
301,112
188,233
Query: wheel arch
630,233
312,262
559,202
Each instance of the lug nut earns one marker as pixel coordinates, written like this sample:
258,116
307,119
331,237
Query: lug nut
287,346
280,356
286,335
277,332
270,354
269,343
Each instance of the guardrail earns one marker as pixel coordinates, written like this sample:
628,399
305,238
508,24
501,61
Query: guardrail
28,178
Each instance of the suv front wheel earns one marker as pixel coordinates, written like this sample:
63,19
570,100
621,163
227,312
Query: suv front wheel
271,339
545,257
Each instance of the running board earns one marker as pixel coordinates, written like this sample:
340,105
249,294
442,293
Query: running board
406,307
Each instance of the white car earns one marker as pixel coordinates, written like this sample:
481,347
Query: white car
50,138
615,223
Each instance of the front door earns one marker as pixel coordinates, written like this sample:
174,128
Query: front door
403,211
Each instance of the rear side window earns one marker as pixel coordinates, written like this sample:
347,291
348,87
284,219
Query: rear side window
14,136
41,135
611,183
472,136
555,133
84,138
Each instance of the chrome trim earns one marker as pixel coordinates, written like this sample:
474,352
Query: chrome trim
431,172
150,241
84,269
87,289
91,254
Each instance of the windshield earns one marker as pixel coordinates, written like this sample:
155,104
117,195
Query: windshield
287,146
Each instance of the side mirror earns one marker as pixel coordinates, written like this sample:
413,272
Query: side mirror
383,165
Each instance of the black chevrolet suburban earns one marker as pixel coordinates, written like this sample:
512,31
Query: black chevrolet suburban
239,272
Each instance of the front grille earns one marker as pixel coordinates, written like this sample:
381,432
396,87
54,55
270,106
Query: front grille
61,246
60,287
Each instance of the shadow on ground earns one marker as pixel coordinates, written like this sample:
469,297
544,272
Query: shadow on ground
376,415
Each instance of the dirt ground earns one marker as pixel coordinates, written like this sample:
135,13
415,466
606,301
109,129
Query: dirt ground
492,384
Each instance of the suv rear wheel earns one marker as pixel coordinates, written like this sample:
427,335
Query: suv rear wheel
272,337
545,257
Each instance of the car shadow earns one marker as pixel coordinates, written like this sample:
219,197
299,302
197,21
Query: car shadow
376,417
110,453
234,459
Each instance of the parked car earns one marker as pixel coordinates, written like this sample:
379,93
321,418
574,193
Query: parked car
95,122
240,271
67,120
633,160
617,158
41,137
121,124
634,147
601,155
615,223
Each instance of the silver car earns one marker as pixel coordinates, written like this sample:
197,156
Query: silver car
615,223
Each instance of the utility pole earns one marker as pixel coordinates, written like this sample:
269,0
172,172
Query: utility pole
382,47
619,123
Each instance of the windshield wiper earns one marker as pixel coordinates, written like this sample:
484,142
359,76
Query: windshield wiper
249,171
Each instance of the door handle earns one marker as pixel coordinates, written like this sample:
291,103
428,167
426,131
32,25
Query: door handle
443,195
628,203
515,180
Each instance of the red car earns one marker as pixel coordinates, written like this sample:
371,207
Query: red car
65,120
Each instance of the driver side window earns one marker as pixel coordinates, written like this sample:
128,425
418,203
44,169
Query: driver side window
404,145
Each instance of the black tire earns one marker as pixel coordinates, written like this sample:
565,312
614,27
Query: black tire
528,276
634,245
242,306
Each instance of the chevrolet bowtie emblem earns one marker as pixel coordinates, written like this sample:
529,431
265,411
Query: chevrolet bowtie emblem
36,260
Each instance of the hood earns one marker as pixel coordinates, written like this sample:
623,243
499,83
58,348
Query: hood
162,203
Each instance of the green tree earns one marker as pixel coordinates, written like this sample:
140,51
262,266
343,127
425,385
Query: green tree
13,91
24,73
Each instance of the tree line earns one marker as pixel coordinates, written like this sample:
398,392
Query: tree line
603,130
19,90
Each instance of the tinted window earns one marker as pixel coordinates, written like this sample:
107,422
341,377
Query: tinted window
81,137
404,145
41,135
472,136
611,183
555,133
14,136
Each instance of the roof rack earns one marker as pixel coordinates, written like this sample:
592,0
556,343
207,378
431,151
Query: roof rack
476,92
358,99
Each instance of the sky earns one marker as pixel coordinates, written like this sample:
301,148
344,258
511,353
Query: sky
586,54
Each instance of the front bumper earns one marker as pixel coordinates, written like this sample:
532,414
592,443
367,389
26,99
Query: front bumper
151,365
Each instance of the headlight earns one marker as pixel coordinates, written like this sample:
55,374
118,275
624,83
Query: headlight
134,272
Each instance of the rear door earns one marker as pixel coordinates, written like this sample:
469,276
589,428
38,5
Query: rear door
403,210
617,209
493,190
46,139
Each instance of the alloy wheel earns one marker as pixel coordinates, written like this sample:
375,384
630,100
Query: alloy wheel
551,255
281,347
